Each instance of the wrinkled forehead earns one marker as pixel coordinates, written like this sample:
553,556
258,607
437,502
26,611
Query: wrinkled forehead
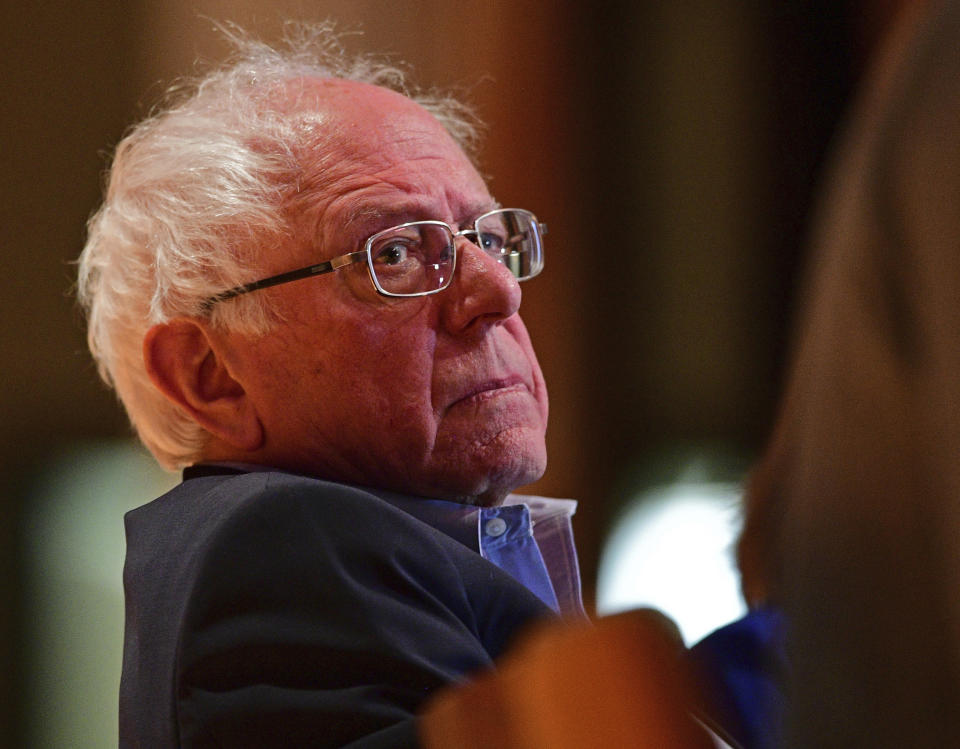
367,145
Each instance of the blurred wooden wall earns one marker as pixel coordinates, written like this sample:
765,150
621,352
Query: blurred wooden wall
671,148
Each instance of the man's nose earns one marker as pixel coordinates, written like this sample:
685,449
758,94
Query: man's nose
484,292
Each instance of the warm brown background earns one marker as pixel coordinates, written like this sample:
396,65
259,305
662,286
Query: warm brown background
672,148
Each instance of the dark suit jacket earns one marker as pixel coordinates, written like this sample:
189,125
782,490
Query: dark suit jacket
268,609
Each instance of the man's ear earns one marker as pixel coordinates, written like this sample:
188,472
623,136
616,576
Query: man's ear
183,364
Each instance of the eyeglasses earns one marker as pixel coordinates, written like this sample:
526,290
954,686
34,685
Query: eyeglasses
418,258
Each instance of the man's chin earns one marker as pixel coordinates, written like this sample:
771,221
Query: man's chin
493,487
481,472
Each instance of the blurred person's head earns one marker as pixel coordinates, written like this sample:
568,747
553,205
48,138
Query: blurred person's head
255,291
856,509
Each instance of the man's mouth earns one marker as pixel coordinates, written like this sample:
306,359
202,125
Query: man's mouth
492,388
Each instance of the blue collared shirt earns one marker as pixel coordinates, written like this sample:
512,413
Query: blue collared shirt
528,537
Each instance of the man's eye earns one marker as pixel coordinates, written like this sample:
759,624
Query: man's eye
392,254
491,242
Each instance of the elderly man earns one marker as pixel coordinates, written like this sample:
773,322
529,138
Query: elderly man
306,298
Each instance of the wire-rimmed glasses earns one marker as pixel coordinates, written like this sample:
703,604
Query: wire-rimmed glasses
419,257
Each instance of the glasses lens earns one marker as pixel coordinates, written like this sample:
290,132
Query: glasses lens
412,259
512,236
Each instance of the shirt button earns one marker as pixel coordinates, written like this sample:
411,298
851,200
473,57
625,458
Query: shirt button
495,527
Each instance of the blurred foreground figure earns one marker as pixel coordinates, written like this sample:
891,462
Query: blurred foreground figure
307,299
622,682
861,544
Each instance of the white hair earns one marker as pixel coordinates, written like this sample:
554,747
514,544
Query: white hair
193,192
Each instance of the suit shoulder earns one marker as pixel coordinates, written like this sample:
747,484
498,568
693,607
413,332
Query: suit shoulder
204,507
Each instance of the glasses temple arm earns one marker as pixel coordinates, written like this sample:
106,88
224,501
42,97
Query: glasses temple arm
292,275
265,283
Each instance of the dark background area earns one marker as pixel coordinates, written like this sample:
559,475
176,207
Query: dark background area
673,149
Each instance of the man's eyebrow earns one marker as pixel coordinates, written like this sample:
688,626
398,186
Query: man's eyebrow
401,213
473,210
364,214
